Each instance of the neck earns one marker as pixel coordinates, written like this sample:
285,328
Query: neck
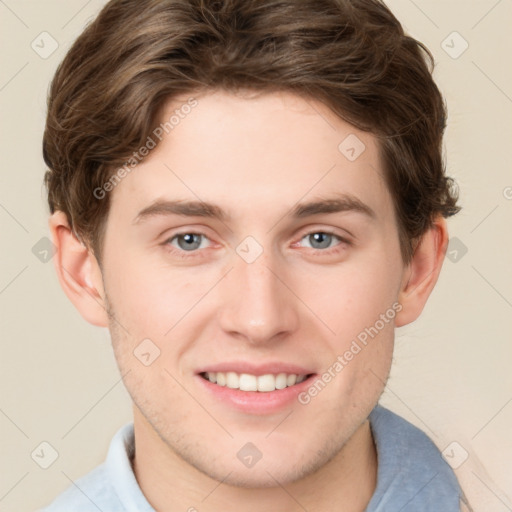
170,483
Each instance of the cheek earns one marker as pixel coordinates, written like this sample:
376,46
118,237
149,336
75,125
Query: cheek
354,296
152,298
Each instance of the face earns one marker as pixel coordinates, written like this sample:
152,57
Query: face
248,250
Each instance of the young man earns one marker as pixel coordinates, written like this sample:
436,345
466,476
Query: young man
250,195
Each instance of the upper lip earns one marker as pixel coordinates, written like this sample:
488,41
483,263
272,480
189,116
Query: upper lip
256,369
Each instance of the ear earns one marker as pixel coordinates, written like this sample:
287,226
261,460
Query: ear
78,271
422,272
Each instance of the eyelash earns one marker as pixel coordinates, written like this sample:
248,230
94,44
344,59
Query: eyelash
191,254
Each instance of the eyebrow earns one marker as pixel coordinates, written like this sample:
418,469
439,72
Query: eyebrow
340,203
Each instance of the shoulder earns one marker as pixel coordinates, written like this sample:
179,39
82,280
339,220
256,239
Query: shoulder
89,493
111,487
411,470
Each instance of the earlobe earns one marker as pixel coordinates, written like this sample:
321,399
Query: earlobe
78,272
422,273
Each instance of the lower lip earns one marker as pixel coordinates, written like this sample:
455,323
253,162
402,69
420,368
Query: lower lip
256,402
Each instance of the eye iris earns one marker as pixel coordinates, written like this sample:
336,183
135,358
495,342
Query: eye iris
321,238
192,241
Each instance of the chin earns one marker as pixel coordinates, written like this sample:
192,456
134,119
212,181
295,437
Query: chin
254,478
279,468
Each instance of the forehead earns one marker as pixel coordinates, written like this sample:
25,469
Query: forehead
253,153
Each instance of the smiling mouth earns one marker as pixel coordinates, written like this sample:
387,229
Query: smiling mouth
248,382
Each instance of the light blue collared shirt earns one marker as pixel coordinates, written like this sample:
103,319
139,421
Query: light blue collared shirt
412,476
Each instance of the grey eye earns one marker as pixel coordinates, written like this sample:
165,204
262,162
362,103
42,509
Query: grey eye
320,240
188,241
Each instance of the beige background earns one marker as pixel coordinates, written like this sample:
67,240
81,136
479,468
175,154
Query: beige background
451,374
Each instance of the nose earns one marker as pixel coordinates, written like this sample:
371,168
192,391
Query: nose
257,304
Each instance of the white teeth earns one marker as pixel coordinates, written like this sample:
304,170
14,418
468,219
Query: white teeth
291,379
247,382
266,383
221,379
232,380
281,381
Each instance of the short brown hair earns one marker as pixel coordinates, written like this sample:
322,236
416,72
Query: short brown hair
352,55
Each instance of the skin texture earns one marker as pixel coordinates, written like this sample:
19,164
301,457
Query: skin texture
298,302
